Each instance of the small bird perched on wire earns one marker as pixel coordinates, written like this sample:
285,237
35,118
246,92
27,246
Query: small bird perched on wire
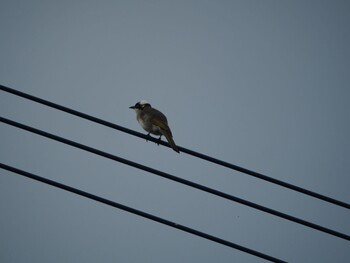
153,121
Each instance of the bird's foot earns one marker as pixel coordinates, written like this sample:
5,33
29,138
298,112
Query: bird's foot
159,139
148,136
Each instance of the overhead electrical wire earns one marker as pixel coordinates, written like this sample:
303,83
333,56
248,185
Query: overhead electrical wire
139,213
176,179
182,149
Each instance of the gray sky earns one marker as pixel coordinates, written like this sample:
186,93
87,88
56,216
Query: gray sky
261,84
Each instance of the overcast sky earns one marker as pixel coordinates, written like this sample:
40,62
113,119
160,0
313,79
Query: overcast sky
261,84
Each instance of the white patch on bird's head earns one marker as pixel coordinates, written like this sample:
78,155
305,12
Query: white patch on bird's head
140,105
144,102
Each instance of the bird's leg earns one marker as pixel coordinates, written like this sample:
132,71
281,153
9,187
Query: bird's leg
148,136
159,139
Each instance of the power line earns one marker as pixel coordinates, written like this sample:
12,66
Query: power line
182,149
174,178
139,213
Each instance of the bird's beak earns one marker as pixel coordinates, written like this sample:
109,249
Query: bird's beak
132,107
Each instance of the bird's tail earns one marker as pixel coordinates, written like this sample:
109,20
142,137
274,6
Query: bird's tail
171,141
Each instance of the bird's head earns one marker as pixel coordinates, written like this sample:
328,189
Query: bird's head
140,105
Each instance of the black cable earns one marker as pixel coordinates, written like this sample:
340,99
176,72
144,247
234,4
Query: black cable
174,178
182,149
139,213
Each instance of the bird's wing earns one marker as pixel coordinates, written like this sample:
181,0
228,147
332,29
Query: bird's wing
160,124
166,132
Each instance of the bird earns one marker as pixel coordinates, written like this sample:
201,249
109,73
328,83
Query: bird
153,121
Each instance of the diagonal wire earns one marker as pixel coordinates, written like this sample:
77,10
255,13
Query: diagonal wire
139,213
182,149
174,178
